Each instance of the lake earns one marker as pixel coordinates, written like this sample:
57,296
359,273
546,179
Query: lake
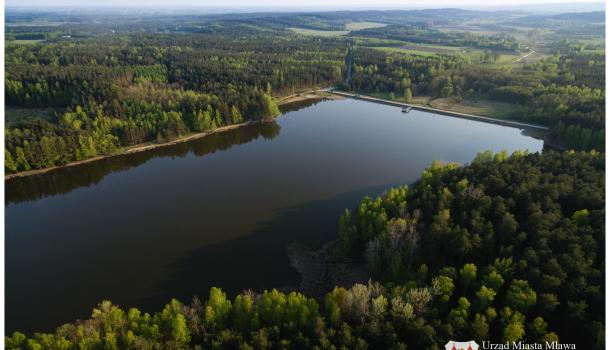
218,211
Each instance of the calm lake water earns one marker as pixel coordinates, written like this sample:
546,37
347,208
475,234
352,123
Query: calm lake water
219,211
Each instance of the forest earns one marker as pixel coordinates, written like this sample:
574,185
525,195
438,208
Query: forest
132,80
119,92
564,91
507,247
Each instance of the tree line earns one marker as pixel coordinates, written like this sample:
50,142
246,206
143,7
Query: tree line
421,33
112,84
120,91
516,242
564,92
508,248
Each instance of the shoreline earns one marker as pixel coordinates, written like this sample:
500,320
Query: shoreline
297,97
142,147
449,113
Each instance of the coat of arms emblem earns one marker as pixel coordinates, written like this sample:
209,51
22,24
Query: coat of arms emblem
463,345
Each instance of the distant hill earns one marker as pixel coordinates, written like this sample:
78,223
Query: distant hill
589,17
548,8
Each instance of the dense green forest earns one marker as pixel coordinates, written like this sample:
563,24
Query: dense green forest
516,244
104,82
118,92
506,248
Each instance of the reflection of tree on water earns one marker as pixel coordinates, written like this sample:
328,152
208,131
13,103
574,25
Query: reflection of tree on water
297,105
67,179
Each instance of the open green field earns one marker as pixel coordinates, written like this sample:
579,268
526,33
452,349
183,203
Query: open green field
330,33
482,107
363,25
477,27
26,42
597,51
594,41
314,32
401,50
507,59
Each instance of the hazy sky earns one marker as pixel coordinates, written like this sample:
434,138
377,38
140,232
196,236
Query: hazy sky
285,4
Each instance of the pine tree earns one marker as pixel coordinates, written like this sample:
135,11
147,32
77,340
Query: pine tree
408,96
235,115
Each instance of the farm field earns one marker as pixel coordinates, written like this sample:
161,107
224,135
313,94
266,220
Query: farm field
25,41
314,32
363,25
481,107
351,26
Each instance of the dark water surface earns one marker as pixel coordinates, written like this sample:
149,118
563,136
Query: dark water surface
219,211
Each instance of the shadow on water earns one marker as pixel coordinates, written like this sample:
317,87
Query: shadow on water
259,258
64,180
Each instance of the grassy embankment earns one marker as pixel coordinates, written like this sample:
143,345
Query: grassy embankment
482,107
